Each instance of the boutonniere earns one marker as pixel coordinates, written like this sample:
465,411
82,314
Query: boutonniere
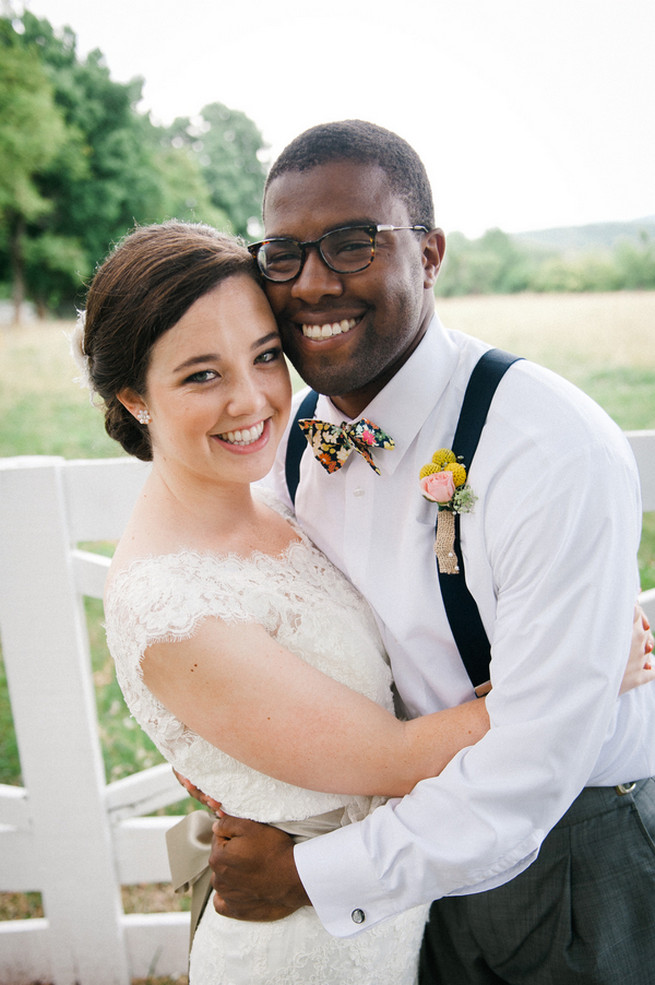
443,481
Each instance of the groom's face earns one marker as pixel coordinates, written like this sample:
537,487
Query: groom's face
347,334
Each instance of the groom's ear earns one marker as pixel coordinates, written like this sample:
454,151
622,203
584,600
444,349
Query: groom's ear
434,248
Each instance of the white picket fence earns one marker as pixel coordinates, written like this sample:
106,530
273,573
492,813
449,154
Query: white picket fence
67,833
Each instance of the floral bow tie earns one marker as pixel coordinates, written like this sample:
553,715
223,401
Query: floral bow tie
333,443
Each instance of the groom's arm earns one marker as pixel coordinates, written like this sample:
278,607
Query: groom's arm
253,871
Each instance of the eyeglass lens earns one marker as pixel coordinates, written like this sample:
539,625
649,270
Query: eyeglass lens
344,250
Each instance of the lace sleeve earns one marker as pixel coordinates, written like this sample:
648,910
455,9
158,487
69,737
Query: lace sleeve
294,598
164,597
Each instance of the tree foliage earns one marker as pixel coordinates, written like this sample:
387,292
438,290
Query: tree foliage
79,165
228,147
497,263
32,134
31,130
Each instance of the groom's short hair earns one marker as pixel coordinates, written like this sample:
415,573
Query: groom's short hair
363,143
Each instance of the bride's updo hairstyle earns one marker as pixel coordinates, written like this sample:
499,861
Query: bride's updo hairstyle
141,290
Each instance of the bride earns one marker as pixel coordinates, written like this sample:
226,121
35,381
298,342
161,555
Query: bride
251,662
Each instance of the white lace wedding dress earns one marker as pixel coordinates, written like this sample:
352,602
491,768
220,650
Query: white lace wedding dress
312,610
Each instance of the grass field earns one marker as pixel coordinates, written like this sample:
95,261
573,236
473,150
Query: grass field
603,343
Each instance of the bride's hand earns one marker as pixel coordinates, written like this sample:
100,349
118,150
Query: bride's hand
197,793
639,669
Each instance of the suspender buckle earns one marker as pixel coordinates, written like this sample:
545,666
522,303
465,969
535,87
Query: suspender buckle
482,689
623,788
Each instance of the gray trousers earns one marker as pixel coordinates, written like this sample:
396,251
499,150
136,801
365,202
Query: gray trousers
582,914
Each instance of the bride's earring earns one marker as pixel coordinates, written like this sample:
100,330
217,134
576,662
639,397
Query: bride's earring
143,417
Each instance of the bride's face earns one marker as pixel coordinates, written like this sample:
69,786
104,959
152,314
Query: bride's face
218,388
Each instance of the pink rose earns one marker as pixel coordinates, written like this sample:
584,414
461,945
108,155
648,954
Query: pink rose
439,487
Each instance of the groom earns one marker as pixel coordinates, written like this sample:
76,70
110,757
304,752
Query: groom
538,843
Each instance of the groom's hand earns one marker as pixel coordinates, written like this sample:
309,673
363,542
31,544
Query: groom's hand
253,871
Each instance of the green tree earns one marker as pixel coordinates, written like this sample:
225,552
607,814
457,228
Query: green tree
32,133
492,264
107,180
87,166
108,175
182,187
635,263
590,271
230,150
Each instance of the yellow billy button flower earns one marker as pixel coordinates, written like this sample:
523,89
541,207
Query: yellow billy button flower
459,473
442,458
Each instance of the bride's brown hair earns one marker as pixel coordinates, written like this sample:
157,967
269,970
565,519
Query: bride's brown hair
142,289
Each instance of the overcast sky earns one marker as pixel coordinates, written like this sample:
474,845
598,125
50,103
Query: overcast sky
528,114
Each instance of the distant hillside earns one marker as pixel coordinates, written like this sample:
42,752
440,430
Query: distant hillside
604,256
599,236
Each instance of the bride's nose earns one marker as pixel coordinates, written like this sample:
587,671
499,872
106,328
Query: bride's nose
246,396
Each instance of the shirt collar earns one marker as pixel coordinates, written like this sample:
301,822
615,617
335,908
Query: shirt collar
404,404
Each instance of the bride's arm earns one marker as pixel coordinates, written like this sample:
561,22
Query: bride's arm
247,695
241,691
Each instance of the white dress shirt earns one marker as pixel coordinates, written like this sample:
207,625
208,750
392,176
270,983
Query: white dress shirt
550,557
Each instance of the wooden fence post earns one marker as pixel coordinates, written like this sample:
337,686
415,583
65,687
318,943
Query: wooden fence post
53,705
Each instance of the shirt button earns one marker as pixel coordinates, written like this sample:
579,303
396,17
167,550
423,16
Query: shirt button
358,916
358,492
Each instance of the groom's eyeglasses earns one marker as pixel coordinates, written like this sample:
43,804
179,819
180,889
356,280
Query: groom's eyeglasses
345,251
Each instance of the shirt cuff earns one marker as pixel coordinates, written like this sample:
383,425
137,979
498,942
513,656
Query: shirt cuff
341,882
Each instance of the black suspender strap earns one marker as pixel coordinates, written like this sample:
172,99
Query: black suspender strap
297,443
461,609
